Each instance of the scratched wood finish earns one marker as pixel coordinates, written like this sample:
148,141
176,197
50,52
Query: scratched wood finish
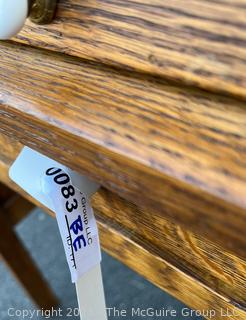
197,42
203,261
173,148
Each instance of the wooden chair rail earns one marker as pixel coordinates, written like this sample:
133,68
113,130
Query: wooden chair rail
187,266
201,43
12,209
181,150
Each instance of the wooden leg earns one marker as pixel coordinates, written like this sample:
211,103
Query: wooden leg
23,267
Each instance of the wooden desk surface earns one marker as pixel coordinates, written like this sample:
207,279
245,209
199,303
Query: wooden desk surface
148,99
200,43
156,145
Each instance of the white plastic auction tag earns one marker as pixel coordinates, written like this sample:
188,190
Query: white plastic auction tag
76,222
29,167
67,194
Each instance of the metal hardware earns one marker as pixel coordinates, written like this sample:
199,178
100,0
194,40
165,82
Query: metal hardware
42,11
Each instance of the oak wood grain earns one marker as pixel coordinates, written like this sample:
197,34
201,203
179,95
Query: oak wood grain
201,43
156,145
149,263
199,259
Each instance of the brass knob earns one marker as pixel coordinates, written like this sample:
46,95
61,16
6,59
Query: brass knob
42,11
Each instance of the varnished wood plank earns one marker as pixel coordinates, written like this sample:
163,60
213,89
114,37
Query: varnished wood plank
148,262
198,42
204,262
153,144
